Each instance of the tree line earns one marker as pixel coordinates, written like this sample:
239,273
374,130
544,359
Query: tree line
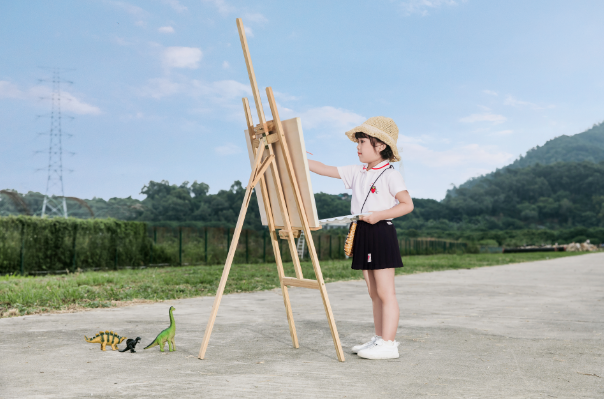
563,195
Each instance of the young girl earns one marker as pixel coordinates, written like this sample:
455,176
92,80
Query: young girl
377,189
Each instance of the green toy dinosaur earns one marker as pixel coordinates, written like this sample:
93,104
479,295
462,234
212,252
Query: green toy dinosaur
166,336
104,338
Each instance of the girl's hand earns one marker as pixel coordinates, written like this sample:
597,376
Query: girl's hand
372,218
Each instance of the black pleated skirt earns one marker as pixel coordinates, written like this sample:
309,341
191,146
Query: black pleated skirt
376,246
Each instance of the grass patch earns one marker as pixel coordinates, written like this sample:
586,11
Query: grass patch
30,295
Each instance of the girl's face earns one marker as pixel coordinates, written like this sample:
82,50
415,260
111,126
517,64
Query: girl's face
368,153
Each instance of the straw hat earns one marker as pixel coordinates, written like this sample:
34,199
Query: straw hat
381,128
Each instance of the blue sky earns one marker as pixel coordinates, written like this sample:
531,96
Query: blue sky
158,85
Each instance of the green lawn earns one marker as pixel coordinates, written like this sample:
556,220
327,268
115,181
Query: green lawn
108,288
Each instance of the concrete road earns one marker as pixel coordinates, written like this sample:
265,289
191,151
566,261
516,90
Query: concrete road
530,330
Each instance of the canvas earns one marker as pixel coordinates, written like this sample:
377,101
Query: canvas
292,128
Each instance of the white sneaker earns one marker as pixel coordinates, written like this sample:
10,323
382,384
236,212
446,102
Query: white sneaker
358,348
381,350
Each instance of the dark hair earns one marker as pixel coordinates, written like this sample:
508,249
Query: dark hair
386,153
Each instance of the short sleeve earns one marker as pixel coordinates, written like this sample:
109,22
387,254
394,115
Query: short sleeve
347,174
396,183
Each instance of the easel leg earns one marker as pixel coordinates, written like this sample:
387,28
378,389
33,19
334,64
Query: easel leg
231,255
274,238
284,290
307,233
330,319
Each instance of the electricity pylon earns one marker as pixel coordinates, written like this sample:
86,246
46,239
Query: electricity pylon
54,197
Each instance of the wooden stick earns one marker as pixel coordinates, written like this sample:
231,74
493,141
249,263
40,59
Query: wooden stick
301,282
274,241
251,75
305,225
265,164
231,255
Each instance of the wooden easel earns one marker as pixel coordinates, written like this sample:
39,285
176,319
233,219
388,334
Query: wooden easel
263,136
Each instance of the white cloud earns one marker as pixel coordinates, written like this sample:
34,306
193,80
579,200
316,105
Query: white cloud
490,93
166,29
228,149
248,31
471,154
124,42
422,7
160,87
129,8
284,96
217,93
230,89
337,119
222,6
175,4
69,102
255,17
226,9
514,102
226,65
9,90
182,57
502,133
73,104
484,117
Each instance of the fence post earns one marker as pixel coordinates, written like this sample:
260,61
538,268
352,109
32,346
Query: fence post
281,250
75,235
330,254
227,241
319,254
180,246
115,262
152,248
246,247
22,249
205,243
264,244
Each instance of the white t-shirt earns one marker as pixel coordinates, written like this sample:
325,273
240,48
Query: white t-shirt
360,180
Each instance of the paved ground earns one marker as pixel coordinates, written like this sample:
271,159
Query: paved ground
531,330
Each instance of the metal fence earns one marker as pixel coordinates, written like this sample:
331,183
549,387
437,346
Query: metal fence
66,245
189,245
430,246
210,245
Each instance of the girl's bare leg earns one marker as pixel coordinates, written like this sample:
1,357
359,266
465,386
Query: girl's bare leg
375,300
383,281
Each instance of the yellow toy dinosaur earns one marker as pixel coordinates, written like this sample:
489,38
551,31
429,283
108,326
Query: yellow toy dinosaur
104,338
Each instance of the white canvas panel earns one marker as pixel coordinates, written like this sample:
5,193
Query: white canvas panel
292,128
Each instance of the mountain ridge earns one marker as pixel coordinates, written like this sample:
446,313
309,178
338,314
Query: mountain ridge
585,146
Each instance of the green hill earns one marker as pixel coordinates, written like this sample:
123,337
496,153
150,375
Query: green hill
563,202
586,146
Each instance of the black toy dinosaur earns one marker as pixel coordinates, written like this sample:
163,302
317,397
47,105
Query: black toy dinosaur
130,344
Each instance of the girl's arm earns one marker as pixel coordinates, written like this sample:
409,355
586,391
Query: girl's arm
404,207
322,169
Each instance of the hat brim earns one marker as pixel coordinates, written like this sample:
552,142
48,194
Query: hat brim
378,134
